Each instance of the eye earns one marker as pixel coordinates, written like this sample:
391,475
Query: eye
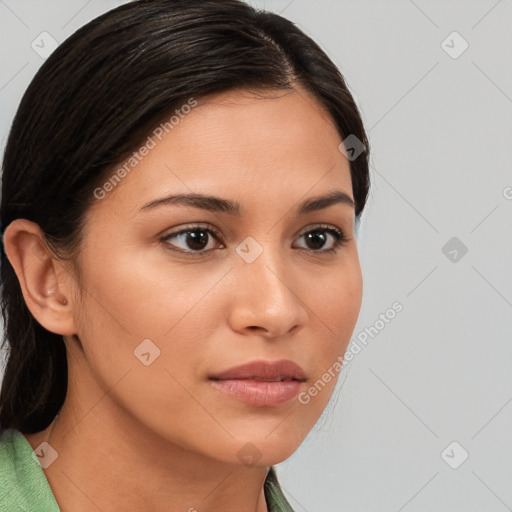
196,239
317,237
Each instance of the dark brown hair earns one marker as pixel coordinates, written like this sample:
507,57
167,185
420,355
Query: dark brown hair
93,101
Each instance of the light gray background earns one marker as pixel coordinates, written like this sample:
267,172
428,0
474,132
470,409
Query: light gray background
440,130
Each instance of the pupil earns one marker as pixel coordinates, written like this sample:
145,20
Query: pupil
316,236
195,241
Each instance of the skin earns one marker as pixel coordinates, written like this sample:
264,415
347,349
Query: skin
160,437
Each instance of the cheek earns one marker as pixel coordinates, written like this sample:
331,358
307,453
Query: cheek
147,376
129,294
336,305
335,301
137,312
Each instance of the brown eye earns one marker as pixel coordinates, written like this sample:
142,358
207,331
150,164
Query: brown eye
317,238
192,239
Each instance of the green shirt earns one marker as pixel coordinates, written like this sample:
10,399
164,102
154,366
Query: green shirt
24,487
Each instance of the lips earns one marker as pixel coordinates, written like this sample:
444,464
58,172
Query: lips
261,383
264,371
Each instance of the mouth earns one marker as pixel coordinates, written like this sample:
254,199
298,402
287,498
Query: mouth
269,371
277,379
261,383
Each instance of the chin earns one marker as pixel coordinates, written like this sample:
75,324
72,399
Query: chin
266,451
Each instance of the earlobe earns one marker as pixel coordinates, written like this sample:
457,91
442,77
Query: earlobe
44,283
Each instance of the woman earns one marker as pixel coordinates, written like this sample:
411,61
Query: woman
180,276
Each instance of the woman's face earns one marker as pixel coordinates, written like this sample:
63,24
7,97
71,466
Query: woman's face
164,315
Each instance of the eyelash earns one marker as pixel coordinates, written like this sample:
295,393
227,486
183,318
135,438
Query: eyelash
339,236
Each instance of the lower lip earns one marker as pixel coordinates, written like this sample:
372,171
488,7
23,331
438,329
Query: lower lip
259,393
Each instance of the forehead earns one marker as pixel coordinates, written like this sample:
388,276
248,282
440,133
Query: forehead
259,120
240,143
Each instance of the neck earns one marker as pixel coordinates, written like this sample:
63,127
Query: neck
108,460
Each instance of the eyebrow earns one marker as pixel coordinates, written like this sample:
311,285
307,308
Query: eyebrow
220,205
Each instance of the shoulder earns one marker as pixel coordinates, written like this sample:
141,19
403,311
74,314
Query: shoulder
8,455
23,484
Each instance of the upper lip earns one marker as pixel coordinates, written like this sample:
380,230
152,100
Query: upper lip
264,370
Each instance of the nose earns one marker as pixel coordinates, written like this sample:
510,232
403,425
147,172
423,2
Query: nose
266,297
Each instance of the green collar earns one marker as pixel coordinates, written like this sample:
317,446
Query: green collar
274,496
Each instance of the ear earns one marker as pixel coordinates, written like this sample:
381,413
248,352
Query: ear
44,281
